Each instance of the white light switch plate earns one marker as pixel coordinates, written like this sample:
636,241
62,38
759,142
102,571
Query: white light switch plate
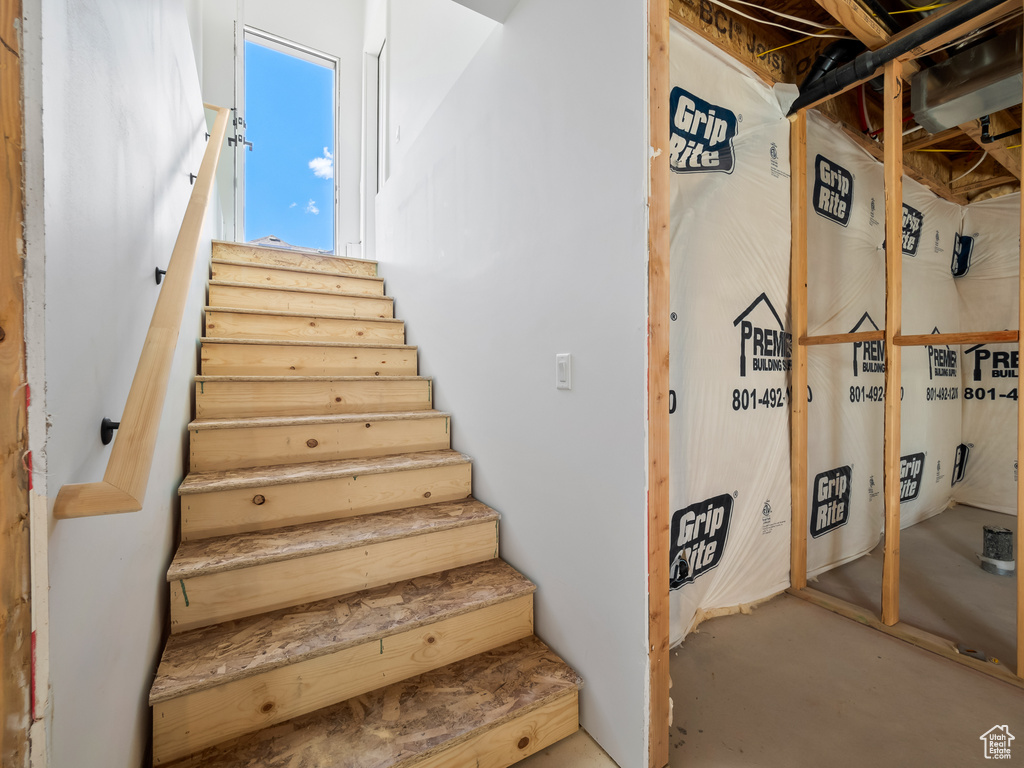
563,371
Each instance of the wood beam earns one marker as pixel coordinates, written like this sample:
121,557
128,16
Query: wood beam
658,308
747,41
931,140
1000,151
798,389
893,324
974,184
842,338
15,614
955,339
859,22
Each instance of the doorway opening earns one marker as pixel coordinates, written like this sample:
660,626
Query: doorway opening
286,189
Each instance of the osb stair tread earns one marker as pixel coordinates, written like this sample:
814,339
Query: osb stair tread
202,557
293,268
273,250
303,343
408,721
282,289
285,474
314,315
299,421
311,378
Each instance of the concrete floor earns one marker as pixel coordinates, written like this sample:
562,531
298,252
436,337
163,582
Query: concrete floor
795,686
942,588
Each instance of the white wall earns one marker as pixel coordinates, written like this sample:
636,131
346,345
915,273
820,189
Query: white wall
122,126
334,27
430,42
515,229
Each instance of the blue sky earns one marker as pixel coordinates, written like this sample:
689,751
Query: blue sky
289,175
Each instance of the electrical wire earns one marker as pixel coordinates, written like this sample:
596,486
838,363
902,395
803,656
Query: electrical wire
780,14
912,9
772,23
969,169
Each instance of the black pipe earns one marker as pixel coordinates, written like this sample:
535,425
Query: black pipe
865,65
833,55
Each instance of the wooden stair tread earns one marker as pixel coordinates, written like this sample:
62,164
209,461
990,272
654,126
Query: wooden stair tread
331,418
293,268
319,291
285,474
293,313
292,250
303,343
211,656
310,378
408,721
200,557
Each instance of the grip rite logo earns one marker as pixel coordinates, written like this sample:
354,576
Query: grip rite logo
913,221
963,249
833,191
702,135
941,360
911,469
699,533
963,452
831,500
764,345
997,363
868,356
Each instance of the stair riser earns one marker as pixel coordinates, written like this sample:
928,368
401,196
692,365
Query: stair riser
184,725
500,746
238,325
243,399
248,591
327,264
269,360
244,297
282,278
220,449
258,509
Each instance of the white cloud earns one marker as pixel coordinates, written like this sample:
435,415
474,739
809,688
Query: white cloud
311,207
323,167
293,205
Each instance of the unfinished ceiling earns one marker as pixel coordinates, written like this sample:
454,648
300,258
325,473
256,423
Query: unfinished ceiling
783,39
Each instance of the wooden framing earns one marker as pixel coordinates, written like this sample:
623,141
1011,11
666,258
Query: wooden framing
658,276
1020,454
798,390
893,323
16,624
894,341
123,487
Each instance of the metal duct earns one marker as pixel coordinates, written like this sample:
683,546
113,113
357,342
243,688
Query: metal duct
979,80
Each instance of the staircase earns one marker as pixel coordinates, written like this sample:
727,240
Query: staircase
337,598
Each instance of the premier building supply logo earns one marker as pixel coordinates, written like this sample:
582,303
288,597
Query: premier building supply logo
831,500
997,742
702,135
911,469
941,361
699,533
999,363
963,452
868,356
963,249
763,347
833,191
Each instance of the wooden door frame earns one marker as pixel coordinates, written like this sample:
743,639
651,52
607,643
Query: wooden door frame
658,383
15,605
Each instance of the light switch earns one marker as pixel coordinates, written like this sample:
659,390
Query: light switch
563,371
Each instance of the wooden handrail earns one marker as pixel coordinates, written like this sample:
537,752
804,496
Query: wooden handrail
123,488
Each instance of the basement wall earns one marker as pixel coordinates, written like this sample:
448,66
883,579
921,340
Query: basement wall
334,27
122,126
515,229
